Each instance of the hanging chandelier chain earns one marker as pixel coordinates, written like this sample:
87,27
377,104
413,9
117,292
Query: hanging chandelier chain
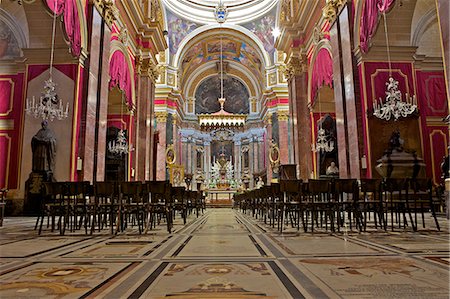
387,44
52,51
221,68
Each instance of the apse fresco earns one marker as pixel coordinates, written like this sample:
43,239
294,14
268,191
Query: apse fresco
234,91
262,28
178,29
9,47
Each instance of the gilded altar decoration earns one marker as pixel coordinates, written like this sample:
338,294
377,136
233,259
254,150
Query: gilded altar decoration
170,155
274,156
176,175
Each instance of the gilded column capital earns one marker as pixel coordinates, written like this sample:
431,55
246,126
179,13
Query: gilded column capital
296,66
108,10
147,68
161,116
283,115
268,119
331,9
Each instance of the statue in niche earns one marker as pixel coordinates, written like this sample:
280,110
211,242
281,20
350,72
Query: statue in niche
332,169
43,145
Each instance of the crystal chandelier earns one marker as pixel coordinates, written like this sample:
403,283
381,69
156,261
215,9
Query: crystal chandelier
120,145
48,106
393,106
323,143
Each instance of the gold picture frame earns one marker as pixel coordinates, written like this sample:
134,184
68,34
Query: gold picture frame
176,175
170,155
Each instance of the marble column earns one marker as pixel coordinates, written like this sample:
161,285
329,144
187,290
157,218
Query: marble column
237,160
348,109
96,105
175,139
161,119
268,121
143,127
283,141
298,95
149,140
207,161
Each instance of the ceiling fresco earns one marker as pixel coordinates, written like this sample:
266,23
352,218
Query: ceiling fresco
178,28
233,50
234,91
262,28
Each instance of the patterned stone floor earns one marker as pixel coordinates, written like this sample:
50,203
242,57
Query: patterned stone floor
223,254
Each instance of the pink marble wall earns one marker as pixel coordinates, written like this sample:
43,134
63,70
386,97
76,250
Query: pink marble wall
283,141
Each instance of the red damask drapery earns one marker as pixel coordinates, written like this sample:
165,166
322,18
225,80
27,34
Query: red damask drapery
369,20
120,75
71,22
322,73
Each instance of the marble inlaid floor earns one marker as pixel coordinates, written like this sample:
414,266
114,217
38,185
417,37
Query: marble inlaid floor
223,254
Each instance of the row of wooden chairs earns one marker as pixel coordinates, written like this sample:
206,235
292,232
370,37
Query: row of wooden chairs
115,205
339,204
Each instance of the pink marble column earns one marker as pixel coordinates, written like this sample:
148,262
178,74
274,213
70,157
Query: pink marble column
161,118
268,121
95,112
237,160
149,140
142,132
299,93
283,118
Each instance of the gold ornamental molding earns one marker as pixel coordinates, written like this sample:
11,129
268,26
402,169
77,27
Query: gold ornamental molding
161,116
146,67
295,67
268,119
283,115
108,10
331,8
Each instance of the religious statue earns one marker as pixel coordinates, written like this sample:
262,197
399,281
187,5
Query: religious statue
332,169
259,183
43,145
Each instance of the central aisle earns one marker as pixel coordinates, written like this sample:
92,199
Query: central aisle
218,256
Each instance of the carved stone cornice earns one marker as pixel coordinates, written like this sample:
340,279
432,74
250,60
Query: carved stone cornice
108,10
161,116
331,9
147,68
296,66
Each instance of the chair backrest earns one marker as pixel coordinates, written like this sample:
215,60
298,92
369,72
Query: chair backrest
105,189
159,191
319,186
370,185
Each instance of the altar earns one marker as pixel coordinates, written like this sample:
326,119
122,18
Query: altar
220,198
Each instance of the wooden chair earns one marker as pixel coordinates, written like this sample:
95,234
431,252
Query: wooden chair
131,208
294,206
396,203
420,196
158,202
106,205
371,201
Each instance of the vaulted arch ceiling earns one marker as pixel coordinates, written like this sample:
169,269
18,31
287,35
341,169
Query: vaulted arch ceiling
242,57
